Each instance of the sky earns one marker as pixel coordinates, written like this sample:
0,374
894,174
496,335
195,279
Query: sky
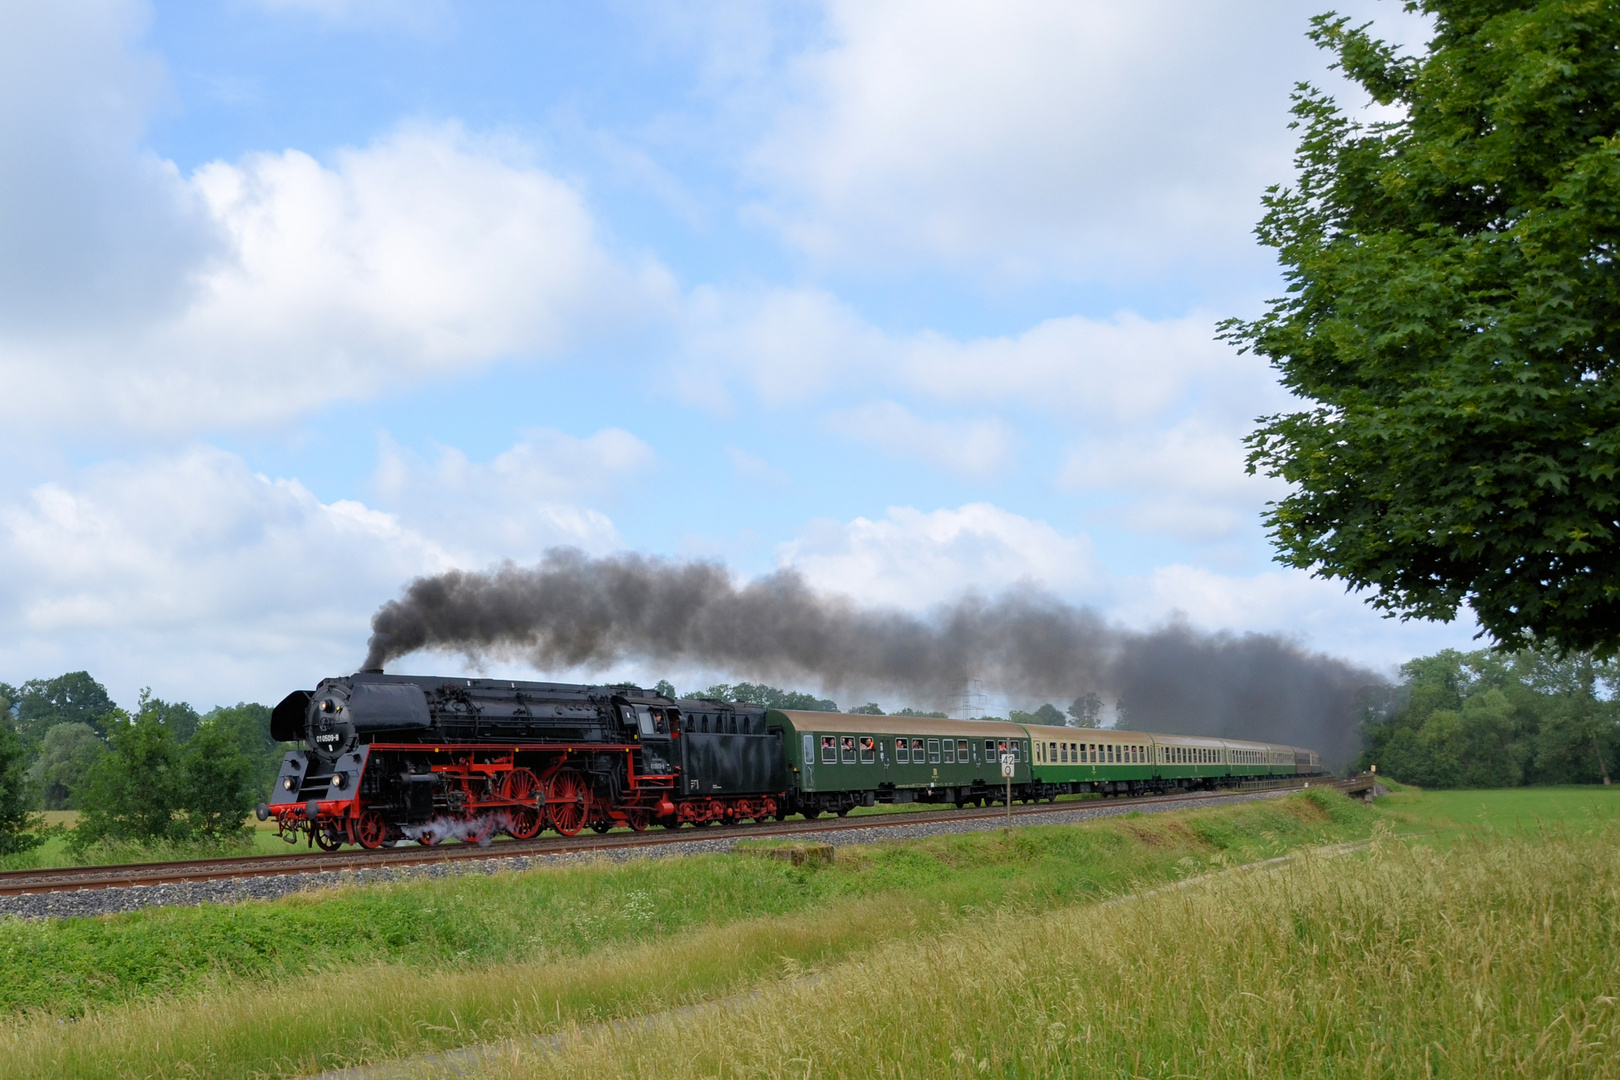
302,299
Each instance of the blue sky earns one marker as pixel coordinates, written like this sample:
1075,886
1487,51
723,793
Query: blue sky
302,298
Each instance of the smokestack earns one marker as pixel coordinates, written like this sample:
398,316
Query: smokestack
571,610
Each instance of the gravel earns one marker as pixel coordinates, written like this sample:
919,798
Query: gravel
81,902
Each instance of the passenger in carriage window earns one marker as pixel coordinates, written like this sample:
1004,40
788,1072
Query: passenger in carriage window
902,751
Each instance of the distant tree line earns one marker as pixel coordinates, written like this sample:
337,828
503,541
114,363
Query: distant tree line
164,773
1491,719
1085,711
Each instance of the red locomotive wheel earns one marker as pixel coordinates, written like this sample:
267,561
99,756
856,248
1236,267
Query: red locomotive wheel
567,802
522,786
637,817
370,830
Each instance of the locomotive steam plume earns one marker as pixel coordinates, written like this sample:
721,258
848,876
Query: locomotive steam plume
571,610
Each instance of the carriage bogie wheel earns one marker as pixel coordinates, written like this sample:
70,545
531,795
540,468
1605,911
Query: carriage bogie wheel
523,822
811,815
567,802
370,830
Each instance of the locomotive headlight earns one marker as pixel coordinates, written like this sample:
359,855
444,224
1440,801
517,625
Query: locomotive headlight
339,779
288,782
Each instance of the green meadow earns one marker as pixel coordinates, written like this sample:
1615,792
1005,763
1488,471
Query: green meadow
357,975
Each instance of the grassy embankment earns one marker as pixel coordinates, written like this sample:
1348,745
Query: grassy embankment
1497,957
387,971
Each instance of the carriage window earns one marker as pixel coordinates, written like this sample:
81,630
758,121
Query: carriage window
1059,752
1016,747
917,751
829,750
933,751
868,750
990,749
846,743
950,751
962,751
902,751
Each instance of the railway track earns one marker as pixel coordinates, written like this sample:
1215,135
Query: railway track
70,878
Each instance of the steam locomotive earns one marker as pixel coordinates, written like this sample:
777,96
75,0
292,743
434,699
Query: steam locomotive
393,758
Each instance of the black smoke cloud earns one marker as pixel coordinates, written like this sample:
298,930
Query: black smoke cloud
572,610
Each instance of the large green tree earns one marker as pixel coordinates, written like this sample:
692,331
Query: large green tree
1451,322
66,754
1495,719
73,698
18,825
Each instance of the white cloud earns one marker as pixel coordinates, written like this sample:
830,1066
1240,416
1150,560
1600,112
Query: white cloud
975,448
519,503
212,583
1155,409
1314,610
1093,139
913,559
192,573
257,290
786,345
1041,134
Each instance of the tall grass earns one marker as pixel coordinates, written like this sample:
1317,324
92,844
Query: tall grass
1500,957
481,959
69,966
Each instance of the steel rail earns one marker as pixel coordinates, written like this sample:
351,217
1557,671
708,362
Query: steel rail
70,878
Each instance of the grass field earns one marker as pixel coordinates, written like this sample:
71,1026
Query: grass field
354,975
1492,959
261,841
367,973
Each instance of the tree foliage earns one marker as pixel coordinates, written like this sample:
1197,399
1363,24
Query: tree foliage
768,696
73,698
149,788
1452,315
1085,711
18,826
1488,719
66,754
1047,714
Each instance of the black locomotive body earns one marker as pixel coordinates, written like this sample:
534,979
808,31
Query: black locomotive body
394,757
